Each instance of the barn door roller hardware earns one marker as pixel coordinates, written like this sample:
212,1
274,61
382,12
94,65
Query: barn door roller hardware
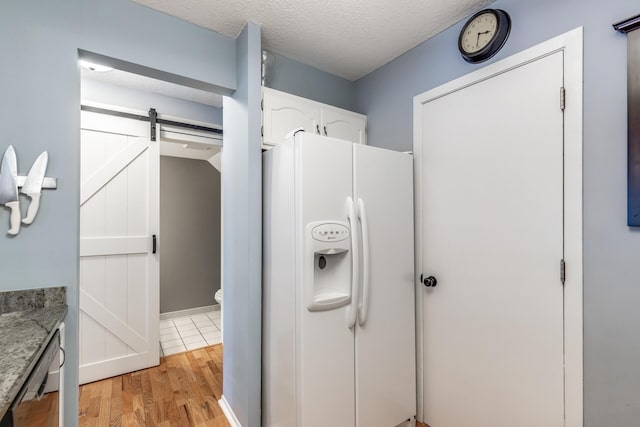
153,119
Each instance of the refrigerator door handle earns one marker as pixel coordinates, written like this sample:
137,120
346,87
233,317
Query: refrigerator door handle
352,313
366,263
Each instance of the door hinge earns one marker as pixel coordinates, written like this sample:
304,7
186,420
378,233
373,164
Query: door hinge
262,131
563,271
262,104
563,97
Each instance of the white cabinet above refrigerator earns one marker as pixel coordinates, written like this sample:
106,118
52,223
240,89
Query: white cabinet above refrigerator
283,112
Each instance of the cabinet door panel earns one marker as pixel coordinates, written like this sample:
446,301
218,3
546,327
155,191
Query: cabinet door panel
284,113
344,125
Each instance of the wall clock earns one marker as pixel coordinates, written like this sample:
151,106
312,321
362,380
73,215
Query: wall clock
484,34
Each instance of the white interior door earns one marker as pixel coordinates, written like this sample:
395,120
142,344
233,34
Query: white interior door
492,235
385,336
119,274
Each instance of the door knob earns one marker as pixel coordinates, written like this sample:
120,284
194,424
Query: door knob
430,282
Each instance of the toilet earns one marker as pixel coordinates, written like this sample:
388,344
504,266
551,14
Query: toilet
218,296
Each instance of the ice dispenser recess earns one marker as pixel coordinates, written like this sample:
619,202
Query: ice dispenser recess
328,282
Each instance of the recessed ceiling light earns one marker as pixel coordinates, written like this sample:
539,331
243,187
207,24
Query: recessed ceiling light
87,65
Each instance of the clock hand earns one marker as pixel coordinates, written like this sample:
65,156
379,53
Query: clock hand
479,34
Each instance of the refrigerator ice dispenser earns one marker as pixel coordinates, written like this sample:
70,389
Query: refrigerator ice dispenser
329,279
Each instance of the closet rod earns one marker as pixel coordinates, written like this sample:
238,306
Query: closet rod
148,119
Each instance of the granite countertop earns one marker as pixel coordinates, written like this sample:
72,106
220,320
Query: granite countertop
28,320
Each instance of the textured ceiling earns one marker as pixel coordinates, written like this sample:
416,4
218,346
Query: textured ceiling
349,38
147,84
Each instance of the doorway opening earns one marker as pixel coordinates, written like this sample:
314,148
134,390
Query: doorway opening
151,236
190,285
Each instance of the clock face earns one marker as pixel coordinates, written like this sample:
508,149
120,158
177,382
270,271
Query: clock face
484,34
479,32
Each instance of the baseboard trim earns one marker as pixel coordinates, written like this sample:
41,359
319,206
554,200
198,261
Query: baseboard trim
189,311
228,412
411,422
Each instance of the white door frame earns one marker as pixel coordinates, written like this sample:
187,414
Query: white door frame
571,43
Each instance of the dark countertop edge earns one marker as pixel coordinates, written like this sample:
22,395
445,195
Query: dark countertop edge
23,378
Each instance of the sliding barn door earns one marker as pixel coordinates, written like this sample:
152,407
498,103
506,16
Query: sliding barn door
119,275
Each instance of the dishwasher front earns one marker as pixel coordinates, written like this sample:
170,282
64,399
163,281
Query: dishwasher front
34,407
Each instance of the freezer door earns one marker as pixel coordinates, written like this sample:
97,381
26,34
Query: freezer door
324,341
385,335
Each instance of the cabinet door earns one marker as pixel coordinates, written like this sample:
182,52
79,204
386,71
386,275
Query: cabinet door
283,113
343,124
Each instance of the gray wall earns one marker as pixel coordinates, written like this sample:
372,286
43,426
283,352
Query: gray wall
242,223
40,87
611,249
303,80
140,100
189,233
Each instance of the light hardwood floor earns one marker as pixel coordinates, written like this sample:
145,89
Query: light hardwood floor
182,391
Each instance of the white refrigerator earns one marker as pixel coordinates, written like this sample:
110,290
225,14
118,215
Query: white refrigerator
338,297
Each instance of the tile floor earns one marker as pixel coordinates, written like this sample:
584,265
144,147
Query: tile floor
190,332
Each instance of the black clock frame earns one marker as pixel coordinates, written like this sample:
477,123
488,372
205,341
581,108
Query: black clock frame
497,41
